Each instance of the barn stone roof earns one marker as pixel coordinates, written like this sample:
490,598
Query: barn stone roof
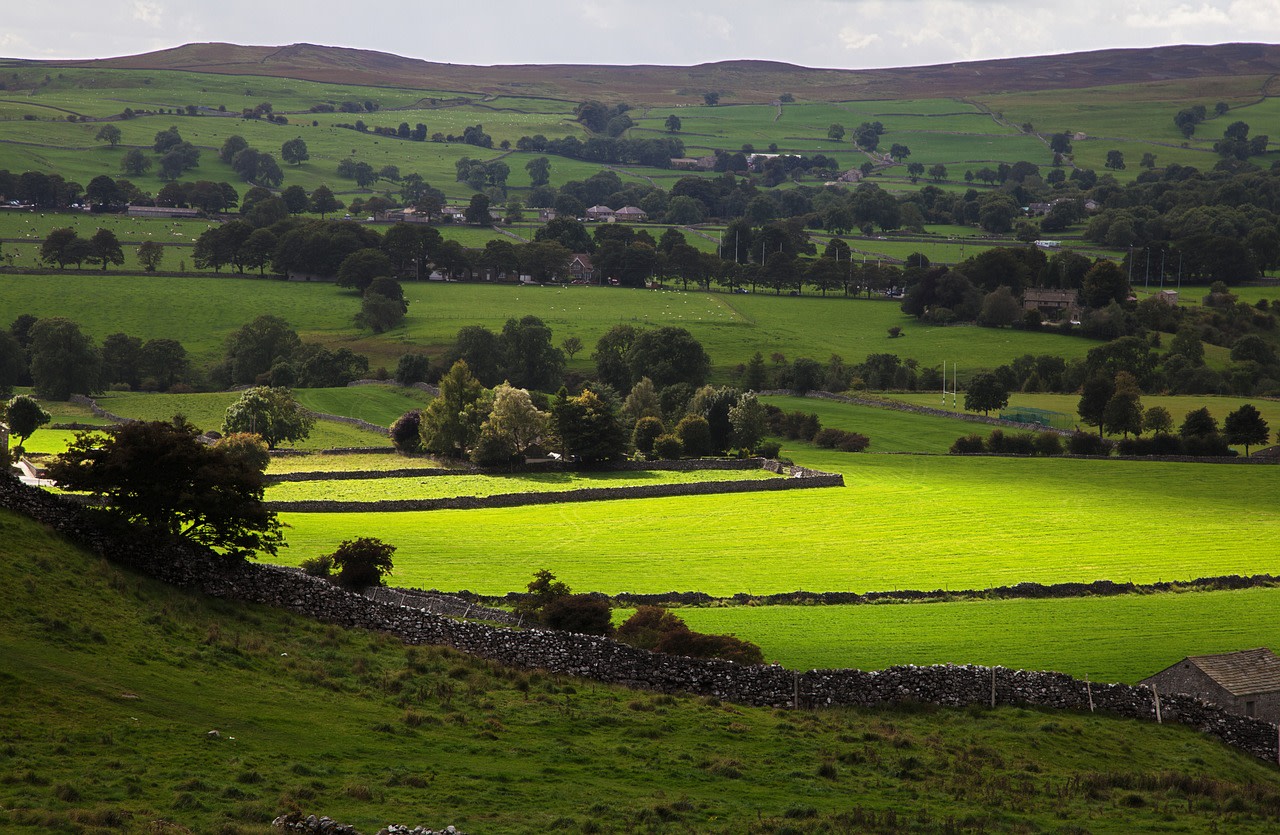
1242,673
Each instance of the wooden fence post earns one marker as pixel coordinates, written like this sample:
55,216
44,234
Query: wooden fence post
993,686
1156,694
1088,688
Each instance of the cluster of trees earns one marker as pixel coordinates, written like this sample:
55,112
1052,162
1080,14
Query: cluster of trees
267,351
553,604
656,152
177,155
64,246
256,166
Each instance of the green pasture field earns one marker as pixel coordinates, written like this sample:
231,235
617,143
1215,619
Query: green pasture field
207,410
33,226
1092,153
889,430
901,522
731,328
960,151
1124,638
474,237
316,462
111,683
440,487
1177,404
1132,110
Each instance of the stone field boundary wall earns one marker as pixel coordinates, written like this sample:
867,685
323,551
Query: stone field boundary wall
601,659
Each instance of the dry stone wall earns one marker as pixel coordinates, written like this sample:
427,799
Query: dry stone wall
604,660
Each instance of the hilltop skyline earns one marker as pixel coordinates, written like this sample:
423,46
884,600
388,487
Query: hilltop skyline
845,34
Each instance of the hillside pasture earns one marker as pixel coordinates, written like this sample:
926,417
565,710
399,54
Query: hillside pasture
901,522
1123,638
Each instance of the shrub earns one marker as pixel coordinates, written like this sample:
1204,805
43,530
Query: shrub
584,613
967,445
769,449
698,645
647,431
1085,443
317,566
1207,445
667,446
362,562
1048,443
841,439
1023,443
695,435
406,433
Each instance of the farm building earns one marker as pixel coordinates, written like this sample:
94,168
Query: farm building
1048,300
1246,683
162,211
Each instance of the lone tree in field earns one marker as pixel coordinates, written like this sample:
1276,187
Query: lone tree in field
270,413
294,152
985,392
362,562
150,255
160,476
673,123
110,134
1246,426
23,416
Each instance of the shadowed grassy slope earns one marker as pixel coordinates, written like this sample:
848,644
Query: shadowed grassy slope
110,683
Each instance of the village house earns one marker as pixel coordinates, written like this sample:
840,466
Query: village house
599,212
1246,683
632,214
1051,302
580,267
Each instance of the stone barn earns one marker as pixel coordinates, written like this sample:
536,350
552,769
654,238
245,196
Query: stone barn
1246,683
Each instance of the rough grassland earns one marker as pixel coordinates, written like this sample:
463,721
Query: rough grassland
109,684
902,522
1107,638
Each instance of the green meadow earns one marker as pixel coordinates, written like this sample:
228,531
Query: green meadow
901,522
1124,638
730,327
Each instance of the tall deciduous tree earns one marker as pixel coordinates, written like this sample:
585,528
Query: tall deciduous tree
294,152
63,360
984,393
587,428
451,422
159,475
271,413
23,415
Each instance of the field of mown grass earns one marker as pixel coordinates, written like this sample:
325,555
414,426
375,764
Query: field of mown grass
438,487
889,430
1123,638
111,682
901,522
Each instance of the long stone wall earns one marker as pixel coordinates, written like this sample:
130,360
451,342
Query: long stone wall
604,660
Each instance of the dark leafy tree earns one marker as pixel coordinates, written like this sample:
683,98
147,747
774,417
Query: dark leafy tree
984,393
63,360
160,476
294,152
451,422
104,249
529,358
667,355
362,562
1246,426
587,428
360,268
252,349
610,356
150,255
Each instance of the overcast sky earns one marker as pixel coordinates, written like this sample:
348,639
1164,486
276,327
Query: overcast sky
849,34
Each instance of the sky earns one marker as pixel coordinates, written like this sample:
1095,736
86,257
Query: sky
845,34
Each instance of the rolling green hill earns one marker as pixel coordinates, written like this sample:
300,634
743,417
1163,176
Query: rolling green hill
110,685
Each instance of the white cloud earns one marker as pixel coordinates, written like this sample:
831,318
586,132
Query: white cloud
150,13
852,38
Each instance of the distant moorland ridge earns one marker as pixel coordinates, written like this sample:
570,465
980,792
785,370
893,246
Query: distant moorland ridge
735,81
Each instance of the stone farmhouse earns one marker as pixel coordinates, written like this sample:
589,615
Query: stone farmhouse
1246,683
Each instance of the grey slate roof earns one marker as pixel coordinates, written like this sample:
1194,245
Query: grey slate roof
1242,673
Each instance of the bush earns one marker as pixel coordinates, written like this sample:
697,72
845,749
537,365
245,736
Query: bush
317,566
584,613
695,435
646,433
362,562
1210,444
769,449
667,447
661,630
1086,443
406,434
1048,443
1023,443
841,439
967,445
